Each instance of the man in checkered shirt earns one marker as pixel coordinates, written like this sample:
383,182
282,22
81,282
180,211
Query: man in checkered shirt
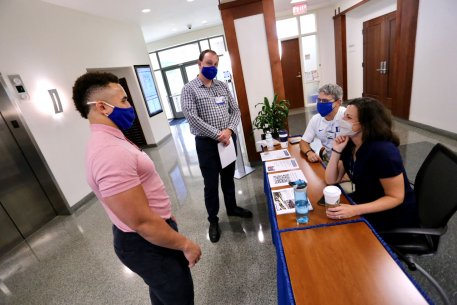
213,116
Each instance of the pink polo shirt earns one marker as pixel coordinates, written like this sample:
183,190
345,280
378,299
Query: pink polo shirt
114,165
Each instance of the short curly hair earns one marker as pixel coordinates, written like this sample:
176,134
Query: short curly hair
86,84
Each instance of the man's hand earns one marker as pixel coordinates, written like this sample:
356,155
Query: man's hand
224,136
313,157
192,252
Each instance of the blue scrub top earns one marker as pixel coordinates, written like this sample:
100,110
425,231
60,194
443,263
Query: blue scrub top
376,160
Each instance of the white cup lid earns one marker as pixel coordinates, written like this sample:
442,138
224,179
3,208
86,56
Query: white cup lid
332,191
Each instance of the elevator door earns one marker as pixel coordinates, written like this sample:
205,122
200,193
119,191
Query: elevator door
23,202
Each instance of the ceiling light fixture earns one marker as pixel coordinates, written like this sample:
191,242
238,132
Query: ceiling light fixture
146,10
296,1
190,0
204,21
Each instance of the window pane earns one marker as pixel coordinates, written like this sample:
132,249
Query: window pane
163,94
308,24
175,83
179,55
192,72
217,45
309,55
204,45
287,28
154,61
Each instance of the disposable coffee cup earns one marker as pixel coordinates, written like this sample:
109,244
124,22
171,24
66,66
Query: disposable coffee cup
332,196
283,138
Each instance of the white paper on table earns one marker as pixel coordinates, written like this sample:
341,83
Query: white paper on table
227,154
284,201
283,179
281,165
275,154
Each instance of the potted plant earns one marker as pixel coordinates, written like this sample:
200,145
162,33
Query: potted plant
272,116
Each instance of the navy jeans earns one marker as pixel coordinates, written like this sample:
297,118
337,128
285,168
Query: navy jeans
164,270
210,166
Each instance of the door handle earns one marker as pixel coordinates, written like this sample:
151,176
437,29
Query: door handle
299,75
382,67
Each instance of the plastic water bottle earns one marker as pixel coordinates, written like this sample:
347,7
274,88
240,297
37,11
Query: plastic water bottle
269,140
301,201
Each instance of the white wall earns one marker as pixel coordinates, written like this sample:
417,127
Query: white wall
184,38
50,47
326,45
433,99
354,40
255,62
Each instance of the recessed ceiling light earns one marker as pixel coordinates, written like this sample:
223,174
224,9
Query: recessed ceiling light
297,1
204,21
146,10
190,0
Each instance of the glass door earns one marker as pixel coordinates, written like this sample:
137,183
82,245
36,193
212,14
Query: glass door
174,78
174,82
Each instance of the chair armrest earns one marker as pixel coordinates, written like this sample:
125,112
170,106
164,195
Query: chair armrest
423,231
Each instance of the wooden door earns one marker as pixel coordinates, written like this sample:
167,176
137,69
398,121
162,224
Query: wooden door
378,47
291,72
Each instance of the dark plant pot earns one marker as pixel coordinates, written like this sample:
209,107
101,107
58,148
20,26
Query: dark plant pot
262,136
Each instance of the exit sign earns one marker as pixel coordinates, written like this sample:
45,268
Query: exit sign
299,9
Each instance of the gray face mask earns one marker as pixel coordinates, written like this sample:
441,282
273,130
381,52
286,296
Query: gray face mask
346,128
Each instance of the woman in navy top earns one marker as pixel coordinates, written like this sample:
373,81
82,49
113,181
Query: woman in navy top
367,151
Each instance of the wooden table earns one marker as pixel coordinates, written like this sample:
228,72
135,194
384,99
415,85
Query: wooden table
314,173
345,264
330,261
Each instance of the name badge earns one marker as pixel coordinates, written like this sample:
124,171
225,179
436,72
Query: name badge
219,100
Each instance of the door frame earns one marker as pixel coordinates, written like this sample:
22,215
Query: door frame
298,38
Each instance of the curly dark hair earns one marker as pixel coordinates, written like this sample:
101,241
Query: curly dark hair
375,119
86,84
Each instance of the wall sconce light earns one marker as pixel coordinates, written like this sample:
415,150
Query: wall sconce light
56,100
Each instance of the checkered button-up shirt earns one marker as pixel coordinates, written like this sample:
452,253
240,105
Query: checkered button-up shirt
209,110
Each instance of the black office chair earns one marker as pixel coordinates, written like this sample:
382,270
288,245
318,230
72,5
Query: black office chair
436,196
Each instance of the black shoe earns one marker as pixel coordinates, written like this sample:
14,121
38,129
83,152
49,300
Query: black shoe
240,212
214,232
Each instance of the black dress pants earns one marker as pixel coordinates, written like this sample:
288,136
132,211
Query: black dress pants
210,166
165,271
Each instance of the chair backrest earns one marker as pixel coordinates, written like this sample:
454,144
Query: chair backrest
436,187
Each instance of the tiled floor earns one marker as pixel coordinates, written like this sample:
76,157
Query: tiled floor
71,261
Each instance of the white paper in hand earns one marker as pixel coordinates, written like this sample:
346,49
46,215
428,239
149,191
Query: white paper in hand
227,153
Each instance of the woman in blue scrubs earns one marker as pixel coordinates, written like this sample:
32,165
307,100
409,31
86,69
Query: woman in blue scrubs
367,151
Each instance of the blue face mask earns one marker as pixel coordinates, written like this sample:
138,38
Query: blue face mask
209,72
122,117
324,108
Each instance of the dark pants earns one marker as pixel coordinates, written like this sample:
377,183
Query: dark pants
164,270
210,165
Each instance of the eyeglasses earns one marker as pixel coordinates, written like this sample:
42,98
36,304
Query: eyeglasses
324,100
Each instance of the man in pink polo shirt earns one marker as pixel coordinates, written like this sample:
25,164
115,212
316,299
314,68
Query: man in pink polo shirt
124,179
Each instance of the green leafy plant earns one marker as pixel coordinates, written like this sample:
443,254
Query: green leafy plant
272,117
